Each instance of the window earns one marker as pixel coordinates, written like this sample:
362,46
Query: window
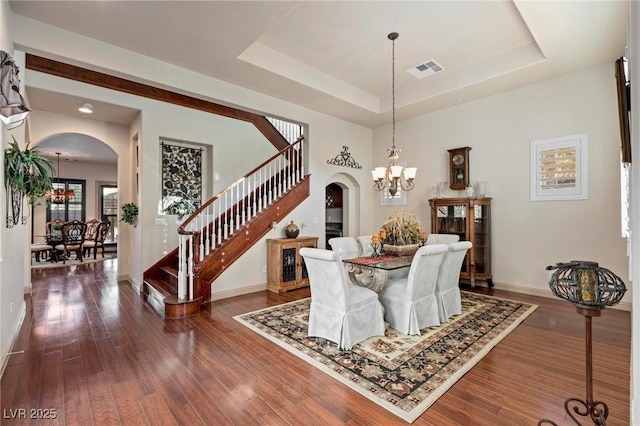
109,208
559,168
74,209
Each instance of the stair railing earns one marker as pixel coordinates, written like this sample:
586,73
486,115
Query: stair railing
290,131
233,208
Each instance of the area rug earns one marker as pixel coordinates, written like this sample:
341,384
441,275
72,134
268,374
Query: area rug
71,262
403,374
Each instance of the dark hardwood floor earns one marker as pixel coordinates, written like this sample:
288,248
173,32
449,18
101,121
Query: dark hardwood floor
95,354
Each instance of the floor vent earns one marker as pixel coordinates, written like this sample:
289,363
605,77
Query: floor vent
426,69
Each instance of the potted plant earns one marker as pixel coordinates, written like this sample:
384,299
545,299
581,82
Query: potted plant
129,213
26,174
403,233
27,171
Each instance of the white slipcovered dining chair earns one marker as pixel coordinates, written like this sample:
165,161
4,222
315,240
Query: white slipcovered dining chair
447,288
365,245
410,302
341,311
442,239
346,247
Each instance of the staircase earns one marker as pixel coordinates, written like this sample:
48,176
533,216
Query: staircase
222,229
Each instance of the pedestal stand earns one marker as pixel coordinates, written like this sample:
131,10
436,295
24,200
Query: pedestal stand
598,411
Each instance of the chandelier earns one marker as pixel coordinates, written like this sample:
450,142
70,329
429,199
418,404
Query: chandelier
391,176
60,195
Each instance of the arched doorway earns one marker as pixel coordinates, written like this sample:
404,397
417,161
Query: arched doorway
333,211
90,166
342,206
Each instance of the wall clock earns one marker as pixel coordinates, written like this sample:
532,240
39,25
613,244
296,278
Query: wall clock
459,167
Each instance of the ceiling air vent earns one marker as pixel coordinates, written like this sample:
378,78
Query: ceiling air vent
426,69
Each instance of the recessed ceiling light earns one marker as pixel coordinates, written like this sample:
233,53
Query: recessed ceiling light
86,108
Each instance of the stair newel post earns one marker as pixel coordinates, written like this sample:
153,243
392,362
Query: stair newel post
182,273
194,259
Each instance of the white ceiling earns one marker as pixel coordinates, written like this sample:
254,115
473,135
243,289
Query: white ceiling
334,57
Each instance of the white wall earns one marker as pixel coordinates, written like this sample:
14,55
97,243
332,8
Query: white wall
527,236
12,279
634,69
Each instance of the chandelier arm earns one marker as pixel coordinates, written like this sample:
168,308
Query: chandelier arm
406,185
379,185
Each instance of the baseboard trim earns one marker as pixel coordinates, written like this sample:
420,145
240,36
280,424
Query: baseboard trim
237,292
534,291
14,336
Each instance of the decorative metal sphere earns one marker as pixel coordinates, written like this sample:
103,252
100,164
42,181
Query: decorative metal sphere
585,283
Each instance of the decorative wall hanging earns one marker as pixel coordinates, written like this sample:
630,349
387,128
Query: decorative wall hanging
181,174
13,107
344,159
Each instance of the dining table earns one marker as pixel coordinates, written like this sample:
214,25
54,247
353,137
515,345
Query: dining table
373,272
53,240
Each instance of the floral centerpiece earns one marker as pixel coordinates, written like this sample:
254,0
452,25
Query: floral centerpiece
180,207
402,233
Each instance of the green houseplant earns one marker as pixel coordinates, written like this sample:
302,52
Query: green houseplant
27,172
129,213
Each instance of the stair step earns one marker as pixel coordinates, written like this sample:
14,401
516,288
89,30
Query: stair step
163,287
170,270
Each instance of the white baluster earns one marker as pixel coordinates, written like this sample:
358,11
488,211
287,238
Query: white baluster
190,262
224,224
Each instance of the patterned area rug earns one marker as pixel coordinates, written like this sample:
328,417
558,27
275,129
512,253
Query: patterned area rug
403,374
46,263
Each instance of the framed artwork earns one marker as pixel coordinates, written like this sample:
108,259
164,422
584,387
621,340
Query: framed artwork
181,173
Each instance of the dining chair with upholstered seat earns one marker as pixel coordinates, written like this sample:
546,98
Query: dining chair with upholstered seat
365,245
448,286
72,238
442,239
41,250
92,229
410,302
346,247
341,311
98,239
